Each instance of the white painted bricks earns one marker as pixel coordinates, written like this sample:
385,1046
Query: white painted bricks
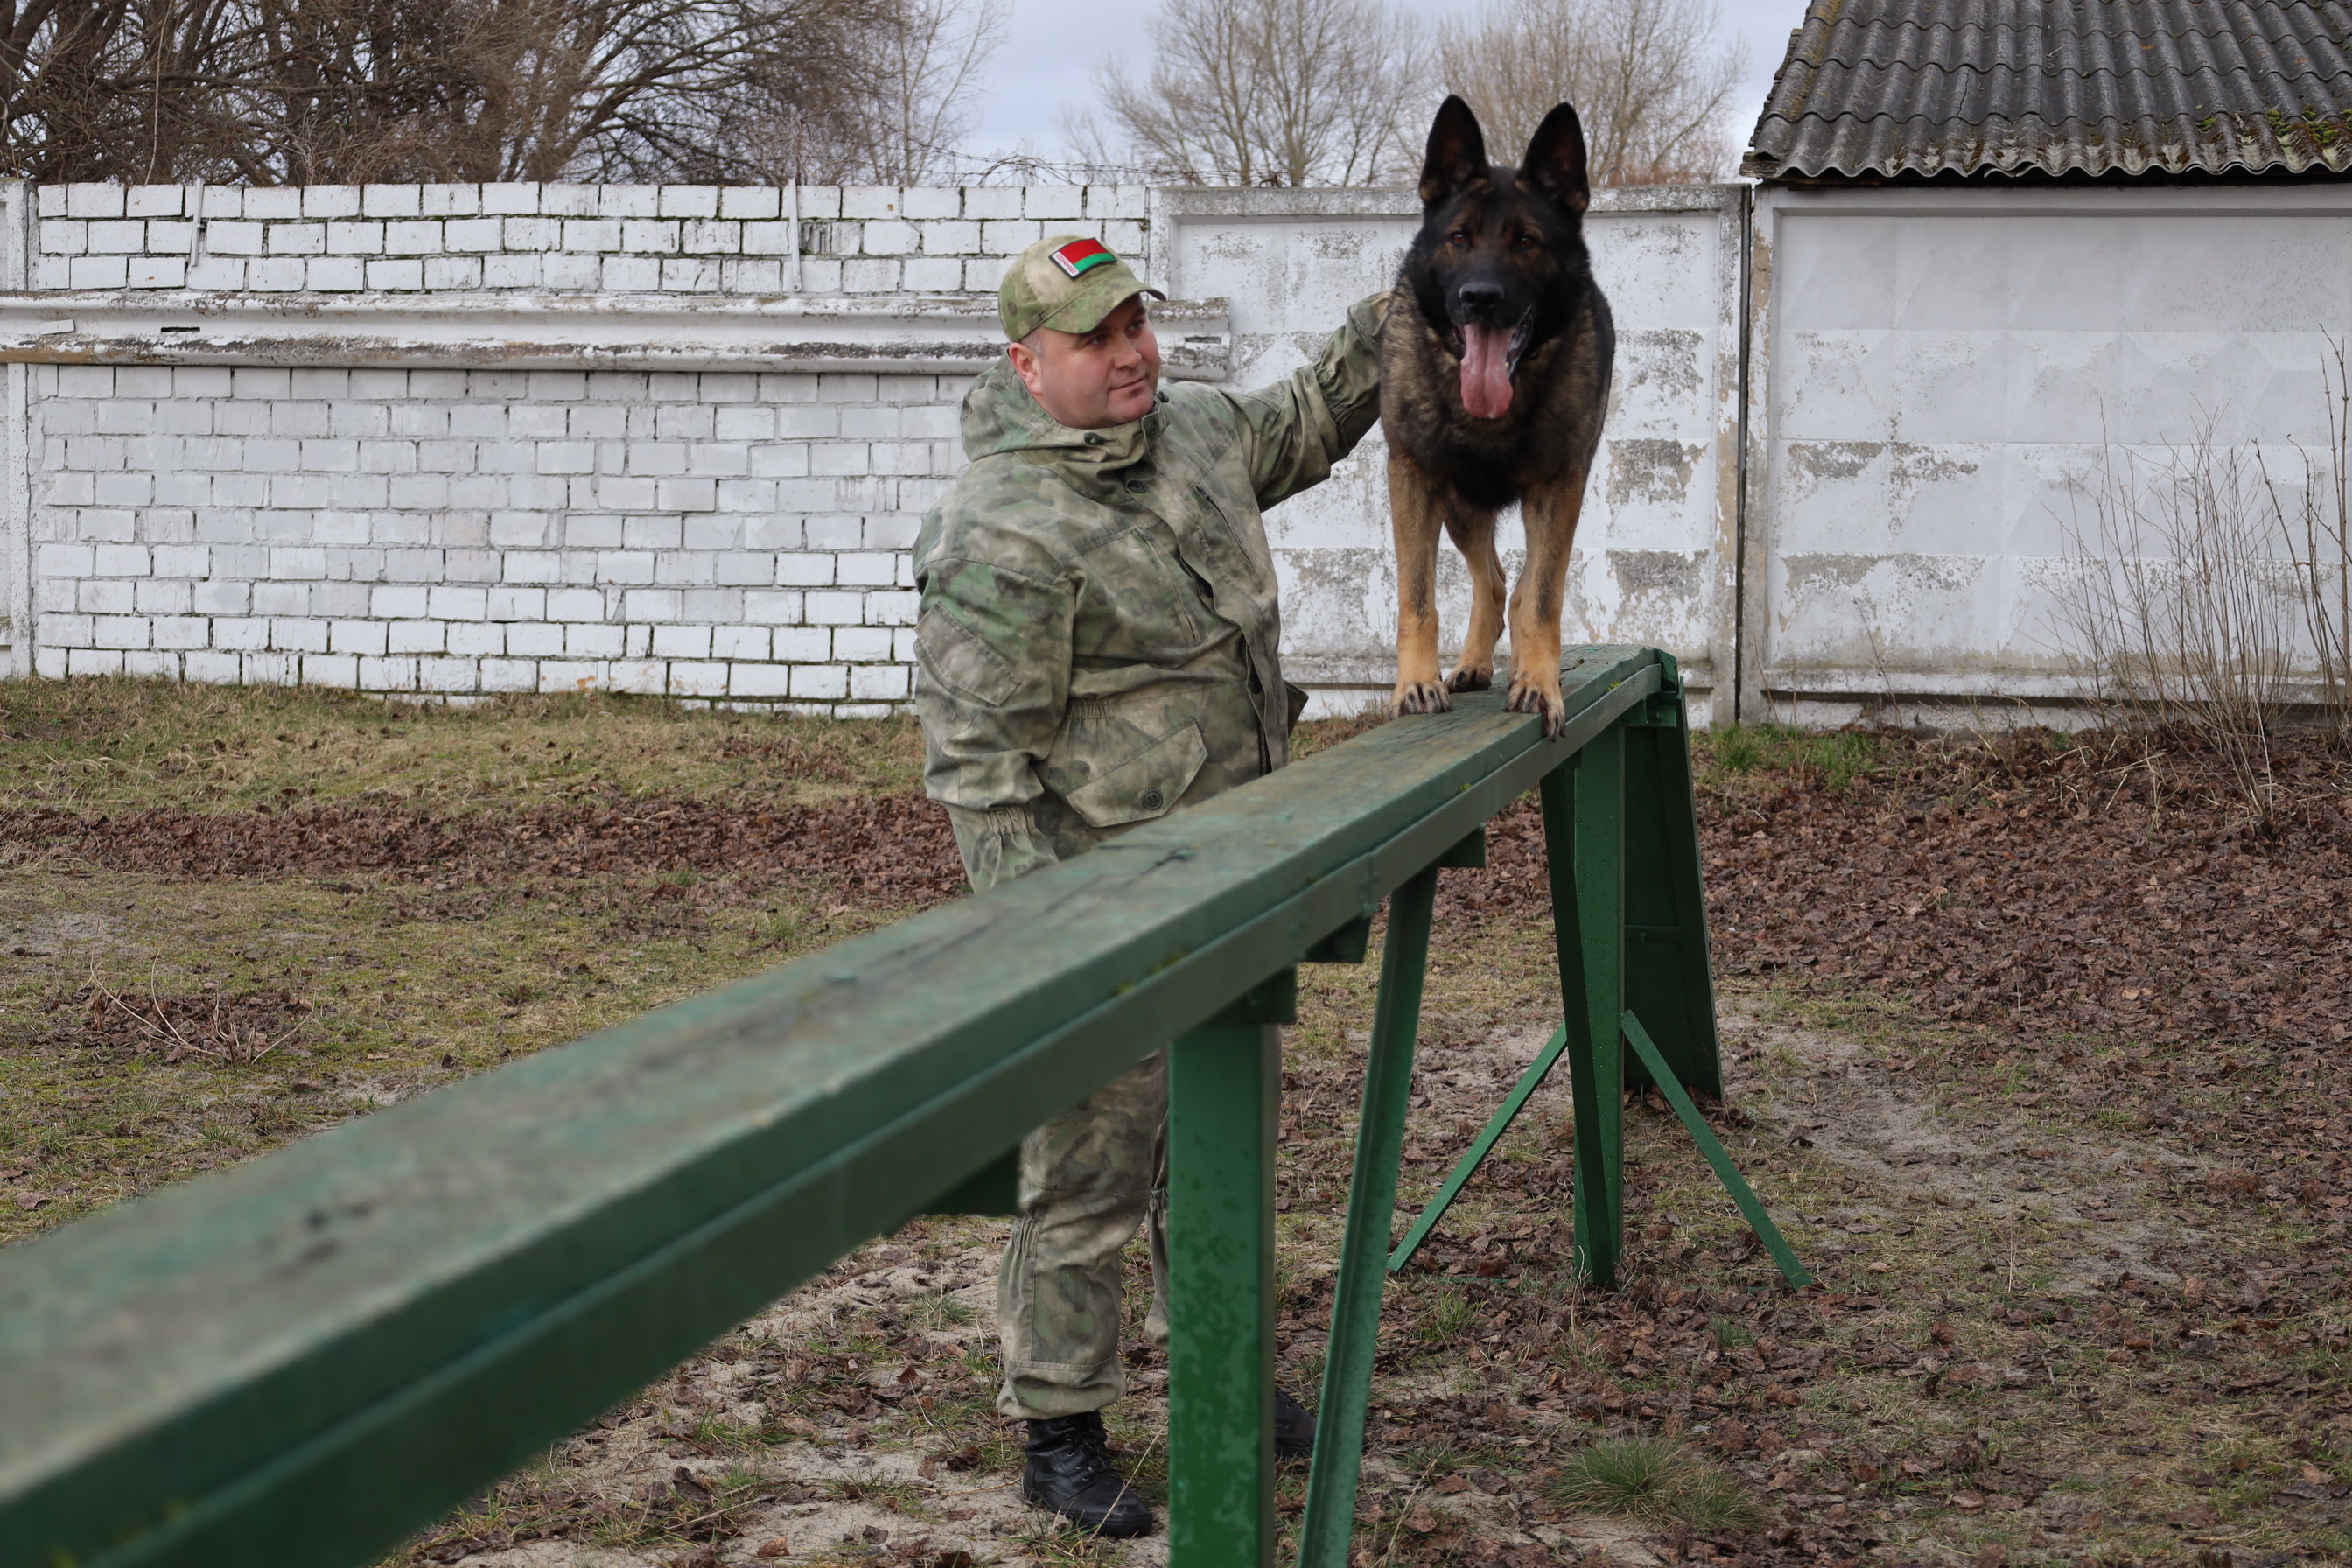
735,537
460,532
684,239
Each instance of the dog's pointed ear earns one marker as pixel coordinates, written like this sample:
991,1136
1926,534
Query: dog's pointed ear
1457,152
1556,164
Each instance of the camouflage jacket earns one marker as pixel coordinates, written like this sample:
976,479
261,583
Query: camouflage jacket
1098,640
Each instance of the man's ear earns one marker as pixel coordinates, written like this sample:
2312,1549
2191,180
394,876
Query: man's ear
1555,163
1024,364
1457,152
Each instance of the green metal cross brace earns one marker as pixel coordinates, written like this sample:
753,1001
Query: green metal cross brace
1327,1527
1583,816
1224,1102
1480,1147
1750,1207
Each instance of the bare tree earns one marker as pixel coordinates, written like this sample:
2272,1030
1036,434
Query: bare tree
270,91
894,113
923,82
1649,80
1263,92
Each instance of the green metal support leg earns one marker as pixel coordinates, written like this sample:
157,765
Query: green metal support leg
1668,977
1327,1528
1225,1094
1583,813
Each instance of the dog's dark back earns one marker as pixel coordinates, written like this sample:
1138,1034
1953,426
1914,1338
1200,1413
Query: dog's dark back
1500,249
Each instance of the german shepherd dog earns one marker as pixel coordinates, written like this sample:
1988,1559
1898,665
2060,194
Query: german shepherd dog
1494,374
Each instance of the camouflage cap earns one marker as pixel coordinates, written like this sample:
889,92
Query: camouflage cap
1068,282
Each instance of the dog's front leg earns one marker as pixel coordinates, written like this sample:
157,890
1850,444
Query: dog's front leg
1473,533
1538,598
1417,512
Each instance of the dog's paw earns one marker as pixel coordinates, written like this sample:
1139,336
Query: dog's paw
1471,677
1421,697
1530,698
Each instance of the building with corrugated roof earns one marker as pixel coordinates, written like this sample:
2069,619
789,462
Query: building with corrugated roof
2002,250
1895,90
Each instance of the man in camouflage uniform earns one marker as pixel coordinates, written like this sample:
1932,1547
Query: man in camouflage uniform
1099,647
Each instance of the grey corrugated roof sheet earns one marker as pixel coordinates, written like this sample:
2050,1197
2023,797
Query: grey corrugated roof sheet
2010,86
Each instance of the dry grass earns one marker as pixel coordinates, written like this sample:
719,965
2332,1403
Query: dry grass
112,1077
1658,1481
153,1028
101,744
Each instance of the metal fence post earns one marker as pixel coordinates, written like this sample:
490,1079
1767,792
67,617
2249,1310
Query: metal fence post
1329,1524
1584,813
1224,1103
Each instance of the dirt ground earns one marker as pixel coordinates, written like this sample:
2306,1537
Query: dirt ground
2040,1064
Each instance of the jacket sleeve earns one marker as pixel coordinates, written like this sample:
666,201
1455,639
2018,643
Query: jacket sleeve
1296,429
992,683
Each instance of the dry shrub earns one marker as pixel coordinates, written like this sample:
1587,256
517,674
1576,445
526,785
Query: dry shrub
2209,600
2177,610
235,1031
2318,527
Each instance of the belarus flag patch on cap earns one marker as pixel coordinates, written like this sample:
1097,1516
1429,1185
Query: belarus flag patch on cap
1081,254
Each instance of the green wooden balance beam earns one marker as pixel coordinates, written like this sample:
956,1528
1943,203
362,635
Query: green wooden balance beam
299,1360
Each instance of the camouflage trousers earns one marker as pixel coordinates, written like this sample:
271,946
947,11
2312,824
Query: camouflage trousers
1088,1179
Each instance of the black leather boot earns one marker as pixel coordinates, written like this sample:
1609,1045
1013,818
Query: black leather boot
1294,1428
1069,1472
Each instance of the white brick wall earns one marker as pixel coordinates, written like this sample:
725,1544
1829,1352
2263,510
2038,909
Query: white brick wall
738,535
448,532
680,239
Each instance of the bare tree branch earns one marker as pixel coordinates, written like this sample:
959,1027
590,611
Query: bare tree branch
1271,92
1650,81
271,91
925,78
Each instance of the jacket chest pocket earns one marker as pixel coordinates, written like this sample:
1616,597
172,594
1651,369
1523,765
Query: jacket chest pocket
1142,603
1235,549
1098,766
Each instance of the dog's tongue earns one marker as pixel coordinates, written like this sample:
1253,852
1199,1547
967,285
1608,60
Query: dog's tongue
1487,372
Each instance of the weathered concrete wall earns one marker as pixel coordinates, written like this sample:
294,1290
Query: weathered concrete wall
453,439
1941,373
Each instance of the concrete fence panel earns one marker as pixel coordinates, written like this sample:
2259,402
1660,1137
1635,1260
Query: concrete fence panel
1942,377
445,440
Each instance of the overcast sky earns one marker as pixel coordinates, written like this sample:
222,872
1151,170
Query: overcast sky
1049,55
